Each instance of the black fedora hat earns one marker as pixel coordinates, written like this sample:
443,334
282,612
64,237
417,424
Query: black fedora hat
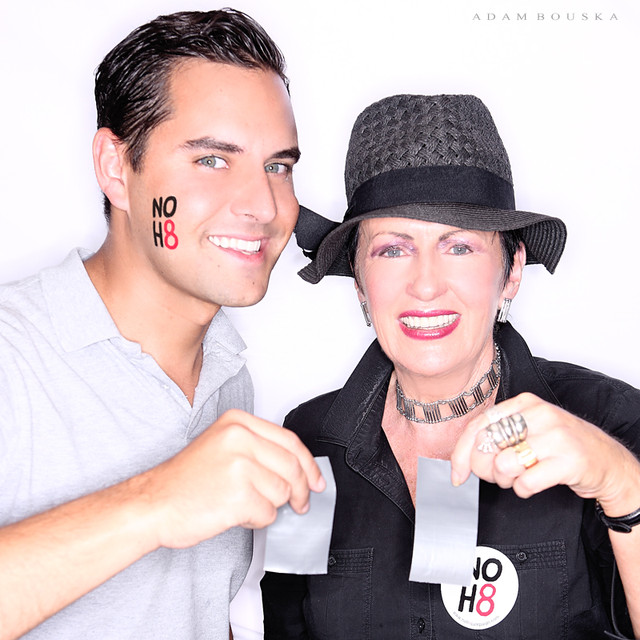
435,158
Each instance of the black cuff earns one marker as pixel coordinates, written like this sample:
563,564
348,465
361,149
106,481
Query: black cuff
621,524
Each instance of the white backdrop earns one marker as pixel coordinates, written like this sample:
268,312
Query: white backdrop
563,93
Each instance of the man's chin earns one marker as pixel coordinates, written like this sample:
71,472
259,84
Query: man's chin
246,300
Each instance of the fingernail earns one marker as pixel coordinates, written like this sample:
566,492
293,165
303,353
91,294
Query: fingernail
456,480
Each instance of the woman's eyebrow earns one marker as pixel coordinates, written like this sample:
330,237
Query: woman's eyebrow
453,232
397,234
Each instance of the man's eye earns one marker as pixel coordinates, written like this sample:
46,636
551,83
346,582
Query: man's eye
277,167
460,249
212,162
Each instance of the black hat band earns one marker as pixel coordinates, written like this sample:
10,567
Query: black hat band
432,185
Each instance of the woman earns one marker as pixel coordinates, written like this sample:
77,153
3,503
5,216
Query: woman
437,249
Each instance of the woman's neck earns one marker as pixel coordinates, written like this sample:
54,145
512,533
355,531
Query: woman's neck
448,398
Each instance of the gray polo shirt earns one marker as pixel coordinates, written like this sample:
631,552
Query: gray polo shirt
83,408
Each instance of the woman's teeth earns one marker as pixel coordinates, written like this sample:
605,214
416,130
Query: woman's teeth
429,322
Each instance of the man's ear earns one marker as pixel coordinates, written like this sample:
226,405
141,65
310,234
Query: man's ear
109,165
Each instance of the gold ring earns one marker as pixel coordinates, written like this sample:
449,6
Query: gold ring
525,454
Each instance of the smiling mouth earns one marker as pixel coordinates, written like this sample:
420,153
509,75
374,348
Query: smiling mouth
429,322
248,247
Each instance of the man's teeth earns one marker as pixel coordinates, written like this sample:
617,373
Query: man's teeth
237,244
431,322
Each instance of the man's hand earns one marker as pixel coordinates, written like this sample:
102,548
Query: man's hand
238,472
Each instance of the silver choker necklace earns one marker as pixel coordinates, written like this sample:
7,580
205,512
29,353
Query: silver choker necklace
432,412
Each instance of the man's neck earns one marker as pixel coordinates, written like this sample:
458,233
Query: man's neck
169,329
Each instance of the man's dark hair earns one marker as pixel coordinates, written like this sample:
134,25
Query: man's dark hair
132,82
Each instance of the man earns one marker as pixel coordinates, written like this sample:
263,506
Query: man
130,469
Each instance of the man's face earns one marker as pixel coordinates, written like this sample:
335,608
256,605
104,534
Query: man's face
213,205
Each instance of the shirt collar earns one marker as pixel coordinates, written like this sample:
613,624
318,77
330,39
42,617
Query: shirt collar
80,317
223,333
357,396
78,314
519,374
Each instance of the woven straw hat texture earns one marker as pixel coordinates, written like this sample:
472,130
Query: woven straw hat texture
396,142
416,131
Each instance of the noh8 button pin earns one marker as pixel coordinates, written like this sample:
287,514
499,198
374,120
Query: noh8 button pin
491,595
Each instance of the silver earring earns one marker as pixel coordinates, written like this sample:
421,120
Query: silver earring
504,310
365,312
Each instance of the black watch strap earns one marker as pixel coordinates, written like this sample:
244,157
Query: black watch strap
621,524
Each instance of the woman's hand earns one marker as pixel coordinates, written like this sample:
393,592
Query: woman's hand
569,451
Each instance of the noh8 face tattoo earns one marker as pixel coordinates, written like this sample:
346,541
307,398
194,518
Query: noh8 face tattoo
164,229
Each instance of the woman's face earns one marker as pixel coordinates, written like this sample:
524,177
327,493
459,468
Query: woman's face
433,292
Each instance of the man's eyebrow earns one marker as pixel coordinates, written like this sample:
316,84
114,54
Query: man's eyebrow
211,144
293,154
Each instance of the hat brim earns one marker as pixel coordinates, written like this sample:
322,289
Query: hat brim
544,236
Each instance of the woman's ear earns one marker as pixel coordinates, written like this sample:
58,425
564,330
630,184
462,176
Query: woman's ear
515,277
109,165
361,296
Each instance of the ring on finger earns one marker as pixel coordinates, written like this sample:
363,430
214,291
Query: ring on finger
503,433
487,444
519,424
526,457
497,435
514,429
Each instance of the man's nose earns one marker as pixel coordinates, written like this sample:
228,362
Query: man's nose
255,198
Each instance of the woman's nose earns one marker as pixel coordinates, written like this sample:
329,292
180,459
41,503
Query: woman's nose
427,280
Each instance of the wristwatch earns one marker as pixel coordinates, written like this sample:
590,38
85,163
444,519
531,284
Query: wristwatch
621,524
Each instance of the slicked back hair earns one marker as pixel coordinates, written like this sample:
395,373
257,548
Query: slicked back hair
133,81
